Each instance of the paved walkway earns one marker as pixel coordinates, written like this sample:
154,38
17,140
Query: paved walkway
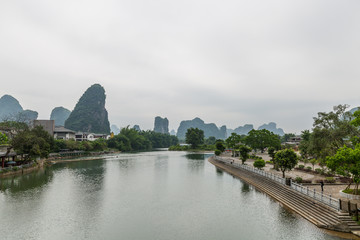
329,189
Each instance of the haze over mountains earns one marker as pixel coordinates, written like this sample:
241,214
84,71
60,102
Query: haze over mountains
90,115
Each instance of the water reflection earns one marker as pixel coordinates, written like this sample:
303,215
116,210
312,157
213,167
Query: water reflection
195,156
219,172
150,196
245,188
18,184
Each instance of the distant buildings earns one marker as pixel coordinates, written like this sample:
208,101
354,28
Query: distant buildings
63,133
60,132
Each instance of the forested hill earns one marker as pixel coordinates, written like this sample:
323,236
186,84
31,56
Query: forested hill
89,114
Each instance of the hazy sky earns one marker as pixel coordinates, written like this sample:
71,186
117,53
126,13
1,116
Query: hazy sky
230,62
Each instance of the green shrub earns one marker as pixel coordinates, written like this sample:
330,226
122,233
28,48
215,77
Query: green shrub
259,163
308,169
301,166
269,162
329,180
15,168
298,180
318,170
350,191
217,152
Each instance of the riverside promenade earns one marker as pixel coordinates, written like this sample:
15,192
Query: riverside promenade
314,211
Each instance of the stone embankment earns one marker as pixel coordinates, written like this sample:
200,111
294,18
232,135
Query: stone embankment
312,210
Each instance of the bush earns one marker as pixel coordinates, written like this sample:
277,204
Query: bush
217,152
259,163
301,166
318,170
329,180
15,168
298,180
269,162
308,169
350,191
306,181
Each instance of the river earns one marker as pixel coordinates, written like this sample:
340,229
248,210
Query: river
152,196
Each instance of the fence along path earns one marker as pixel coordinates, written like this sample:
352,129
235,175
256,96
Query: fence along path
318,196
322,215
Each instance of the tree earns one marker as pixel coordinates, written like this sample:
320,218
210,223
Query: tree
260,163
244,153
33,143
261,139
356,119
195,137
129,139
304,144
210,141
271,152
331,132
233,141
346,162
286,160
3,138
286,137
220,146
313,162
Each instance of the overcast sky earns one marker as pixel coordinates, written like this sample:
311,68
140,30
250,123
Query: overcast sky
230,62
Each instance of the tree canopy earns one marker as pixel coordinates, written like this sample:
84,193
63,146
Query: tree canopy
244,153
261,139
33,143
3,138
195,137
346,162
285,160
233,141
331,131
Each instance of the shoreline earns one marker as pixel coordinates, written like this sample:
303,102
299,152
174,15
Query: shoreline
332,230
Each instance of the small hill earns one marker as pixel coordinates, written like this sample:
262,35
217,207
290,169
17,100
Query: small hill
161,125
59,114
272,128
115,129
89,114
137,128
242,130
9,107
210,129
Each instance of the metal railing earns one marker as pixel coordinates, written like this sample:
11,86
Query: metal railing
324,198
319,196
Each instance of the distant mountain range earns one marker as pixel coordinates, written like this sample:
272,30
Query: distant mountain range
90,115
210,129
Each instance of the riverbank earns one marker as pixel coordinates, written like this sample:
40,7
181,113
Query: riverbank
40,163
317,213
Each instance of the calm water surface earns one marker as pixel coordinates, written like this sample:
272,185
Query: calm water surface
152,196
